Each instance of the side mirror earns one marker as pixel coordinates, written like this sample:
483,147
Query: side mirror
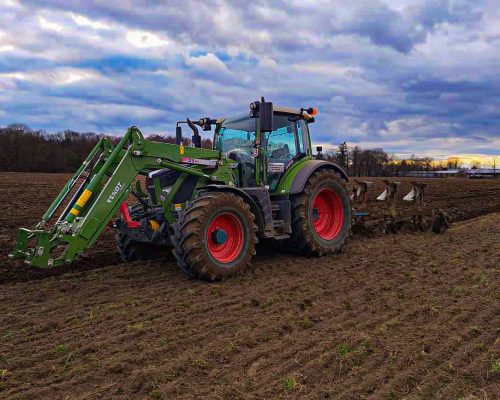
266,116
319,149
264,110
178,135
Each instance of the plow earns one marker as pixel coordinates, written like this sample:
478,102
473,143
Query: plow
259,181
397,212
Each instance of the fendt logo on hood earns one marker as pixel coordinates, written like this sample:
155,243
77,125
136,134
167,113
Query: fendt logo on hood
115,191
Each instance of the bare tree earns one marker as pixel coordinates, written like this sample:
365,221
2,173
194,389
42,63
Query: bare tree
494,162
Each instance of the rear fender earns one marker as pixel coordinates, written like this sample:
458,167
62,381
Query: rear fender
296,178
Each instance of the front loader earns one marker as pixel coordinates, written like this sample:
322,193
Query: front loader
210,206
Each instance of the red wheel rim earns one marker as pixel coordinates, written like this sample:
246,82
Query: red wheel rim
226,237
327,214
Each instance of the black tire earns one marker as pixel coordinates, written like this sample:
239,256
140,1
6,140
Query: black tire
198,253
305,238
131,250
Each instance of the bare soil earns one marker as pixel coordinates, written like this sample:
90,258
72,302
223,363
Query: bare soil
413,316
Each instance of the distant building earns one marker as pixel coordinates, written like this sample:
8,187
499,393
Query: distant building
479,173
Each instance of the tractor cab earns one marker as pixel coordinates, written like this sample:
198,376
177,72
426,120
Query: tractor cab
265,153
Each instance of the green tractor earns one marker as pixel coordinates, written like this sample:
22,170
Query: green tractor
211,206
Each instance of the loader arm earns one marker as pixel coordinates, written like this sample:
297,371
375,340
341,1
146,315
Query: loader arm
105,179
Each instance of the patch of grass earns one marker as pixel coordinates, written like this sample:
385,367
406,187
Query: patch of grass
343,350
201,363
304,304
155,394
306,323
7,334
391,396
92,314
289,383
68,360
265,337
458,290
29,330
411,275
60,349
138,326
451,368
268,303
185,304
483,279
231,347
473,330
216,290
133,303
495,366
3,374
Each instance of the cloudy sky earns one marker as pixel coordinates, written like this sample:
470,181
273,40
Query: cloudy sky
417,77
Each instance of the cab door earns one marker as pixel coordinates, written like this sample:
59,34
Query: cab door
284,145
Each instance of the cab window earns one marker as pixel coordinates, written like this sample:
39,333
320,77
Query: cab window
281,143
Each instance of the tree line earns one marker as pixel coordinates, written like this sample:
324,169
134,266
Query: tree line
26,150
377,162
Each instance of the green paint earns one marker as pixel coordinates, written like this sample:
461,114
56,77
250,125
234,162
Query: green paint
288,178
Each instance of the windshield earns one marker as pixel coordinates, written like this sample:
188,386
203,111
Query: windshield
236,135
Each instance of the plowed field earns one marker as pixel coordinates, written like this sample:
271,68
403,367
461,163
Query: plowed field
413,316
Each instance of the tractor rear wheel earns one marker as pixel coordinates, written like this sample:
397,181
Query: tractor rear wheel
215,236
321,216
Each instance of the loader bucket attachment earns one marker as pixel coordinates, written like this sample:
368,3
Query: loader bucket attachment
40,248
37,239
89,199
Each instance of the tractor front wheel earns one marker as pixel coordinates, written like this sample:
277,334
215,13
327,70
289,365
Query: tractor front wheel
132,250
321,216
215,236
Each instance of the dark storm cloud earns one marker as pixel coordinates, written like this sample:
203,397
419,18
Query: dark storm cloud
410,76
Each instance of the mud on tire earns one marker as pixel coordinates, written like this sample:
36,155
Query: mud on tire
215,236
324,197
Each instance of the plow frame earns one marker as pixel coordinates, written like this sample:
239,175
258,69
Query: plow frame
413,209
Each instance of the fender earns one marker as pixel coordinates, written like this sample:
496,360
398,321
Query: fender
307,169
259,218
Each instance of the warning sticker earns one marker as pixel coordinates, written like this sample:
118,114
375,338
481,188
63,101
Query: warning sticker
276,167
